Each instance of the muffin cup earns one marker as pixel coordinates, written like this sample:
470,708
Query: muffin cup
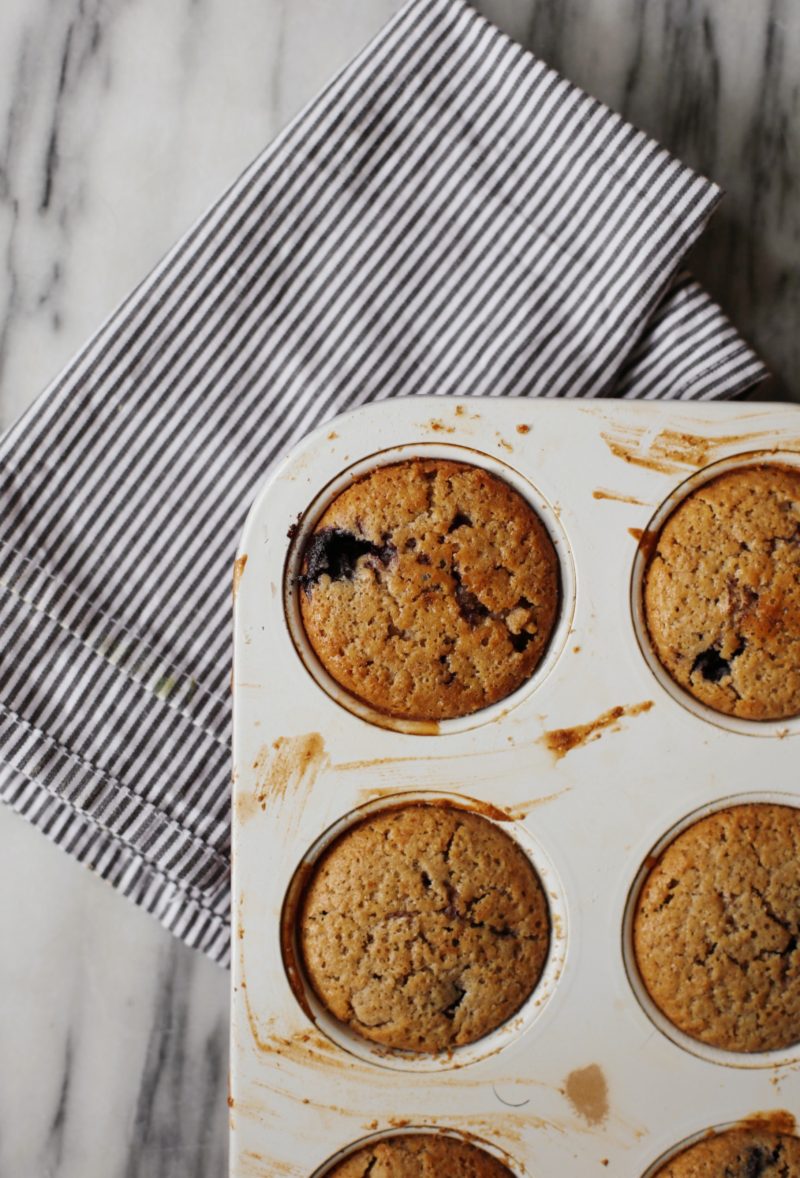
789,726
679,1147
508,1032
304,528
716,1055
386,1135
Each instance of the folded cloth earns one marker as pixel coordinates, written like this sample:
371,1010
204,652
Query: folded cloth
449,216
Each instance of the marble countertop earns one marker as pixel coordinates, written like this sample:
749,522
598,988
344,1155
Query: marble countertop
121,121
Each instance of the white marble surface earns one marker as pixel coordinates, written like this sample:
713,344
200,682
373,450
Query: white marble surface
120,120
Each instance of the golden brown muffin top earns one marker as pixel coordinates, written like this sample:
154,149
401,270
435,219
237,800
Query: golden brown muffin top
716,929
429,589
421,1155
722,593
739,1153
424,927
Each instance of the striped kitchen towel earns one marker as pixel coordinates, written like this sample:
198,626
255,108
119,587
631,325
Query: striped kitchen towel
449,216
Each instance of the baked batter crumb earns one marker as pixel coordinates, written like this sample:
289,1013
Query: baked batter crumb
716,929
739,1153
722,593
420,1155
424,928
429,589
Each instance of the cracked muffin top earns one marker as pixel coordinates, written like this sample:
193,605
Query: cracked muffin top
423,928
429,589
420,1155
739,1153
716,929
722,593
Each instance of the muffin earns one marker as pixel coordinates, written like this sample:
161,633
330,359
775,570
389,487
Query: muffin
722,593
429,589
716,929
739,1153
423,928
420,1155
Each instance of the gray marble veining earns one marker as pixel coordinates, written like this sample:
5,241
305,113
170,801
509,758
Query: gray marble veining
120,121
113,1036
719,85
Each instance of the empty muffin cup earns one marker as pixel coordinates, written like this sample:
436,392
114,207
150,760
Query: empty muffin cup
429,589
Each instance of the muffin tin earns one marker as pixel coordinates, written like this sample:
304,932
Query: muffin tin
591,764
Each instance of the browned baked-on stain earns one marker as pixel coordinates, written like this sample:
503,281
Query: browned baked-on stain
617,497
374,762
783,1073
311,1049
420,727
522,809
238,572
332,436
288,931
374,795
696,450
647,539
452,802
490,1144
576,650
523,429
504,1125
587,1091
255,1164
261,1167
487,809
506,445
776,1120
438,426
673,450
295,759
310,1044
319,1106
624,449
482,1131
563,740
294,528
285,772
252,1021
410,727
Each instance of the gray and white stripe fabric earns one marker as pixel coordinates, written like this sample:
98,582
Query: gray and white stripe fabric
450,216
